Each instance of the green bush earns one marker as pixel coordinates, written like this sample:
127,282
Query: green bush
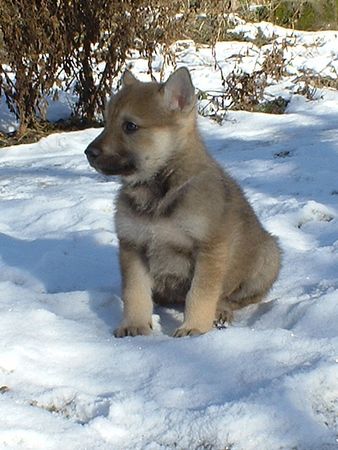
318,15
305,14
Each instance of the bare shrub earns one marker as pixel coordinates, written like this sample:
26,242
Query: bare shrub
97,36
82,46
31,47
312,79
207,20
244,90
274,61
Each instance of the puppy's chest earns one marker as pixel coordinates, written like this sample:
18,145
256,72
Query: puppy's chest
153,221
166,248
143,221
151,233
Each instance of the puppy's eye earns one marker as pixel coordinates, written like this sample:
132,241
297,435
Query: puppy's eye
129,127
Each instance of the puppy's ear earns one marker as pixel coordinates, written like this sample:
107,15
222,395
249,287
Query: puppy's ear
128,78
178,90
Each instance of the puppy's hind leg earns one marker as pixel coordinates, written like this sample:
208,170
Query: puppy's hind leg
265,272
227,305
224,313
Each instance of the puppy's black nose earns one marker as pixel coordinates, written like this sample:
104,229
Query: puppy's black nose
92,152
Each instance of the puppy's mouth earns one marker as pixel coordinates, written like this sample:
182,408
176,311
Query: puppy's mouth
113,165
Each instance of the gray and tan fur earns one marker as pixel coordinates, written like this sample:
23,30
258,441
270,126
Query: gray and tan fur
186,231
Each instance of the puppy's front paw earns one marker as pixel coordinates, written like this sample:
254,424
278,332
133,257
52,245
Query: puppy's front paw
184,331
133,330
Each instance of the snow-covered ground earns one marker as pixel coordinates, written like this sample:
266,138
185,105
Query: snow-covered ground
268,382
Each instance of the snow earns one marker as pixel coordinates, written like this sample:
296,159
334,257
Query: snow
269,381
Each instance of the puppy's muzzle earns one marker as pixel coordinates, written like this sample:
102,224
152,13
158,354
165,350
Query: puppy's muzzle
115,164
92,153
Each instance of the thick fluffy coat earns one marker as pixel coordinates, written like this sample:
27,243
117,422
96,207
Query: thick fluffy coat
186,231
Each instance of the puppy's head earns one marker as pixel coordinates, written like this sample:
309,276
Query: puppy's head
145,125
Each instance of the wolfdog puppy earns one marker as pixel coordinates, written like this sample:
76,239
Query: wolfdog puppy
185,229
